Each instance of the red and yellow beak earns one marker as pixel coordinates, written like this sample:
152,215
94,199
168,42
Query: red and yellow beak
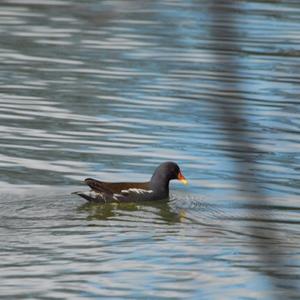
182,179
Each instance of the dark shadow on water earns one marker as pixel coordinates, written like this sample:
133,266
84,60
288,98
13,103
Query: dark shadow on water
163,209
270,247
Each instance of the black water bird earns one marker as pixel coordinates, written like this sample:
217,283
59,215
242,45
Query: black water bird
155,189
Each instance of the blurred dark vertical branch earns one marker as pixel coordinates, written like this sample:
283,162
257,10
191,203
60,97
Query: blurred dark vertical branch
268,245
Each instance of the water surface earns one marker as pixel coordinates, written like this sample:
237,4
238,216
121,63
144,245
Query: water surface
110,89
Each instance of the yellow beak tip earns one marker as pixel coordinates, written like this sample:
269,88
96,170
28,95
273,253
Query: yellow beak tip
184,181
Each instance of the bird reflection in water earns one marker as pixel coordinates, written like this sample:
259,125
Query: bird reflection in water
162,210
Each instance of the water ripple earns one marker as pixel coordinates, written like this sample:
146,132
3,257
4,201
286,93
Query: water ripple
110,89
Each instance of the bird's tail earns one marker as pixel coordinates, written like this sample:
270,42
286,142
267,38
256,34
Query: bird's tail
91,196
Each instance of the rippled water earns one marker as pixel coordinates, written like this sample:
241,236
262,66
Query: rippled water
109,89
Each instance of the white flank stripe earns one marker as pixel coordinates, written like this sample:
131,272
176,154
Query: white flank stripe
138,191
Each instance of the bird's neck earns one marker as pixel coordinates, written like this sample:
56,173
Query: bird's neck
159,184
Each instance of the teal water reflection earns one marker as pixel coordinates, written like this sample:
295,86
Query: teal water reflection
110,89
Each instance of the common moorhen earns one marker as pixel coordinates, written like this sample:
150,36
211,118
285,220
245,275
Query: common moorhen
155,189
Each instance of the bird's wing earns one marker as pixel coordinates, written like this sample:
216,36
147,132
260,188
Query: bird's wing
115,187
117,191
99,186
